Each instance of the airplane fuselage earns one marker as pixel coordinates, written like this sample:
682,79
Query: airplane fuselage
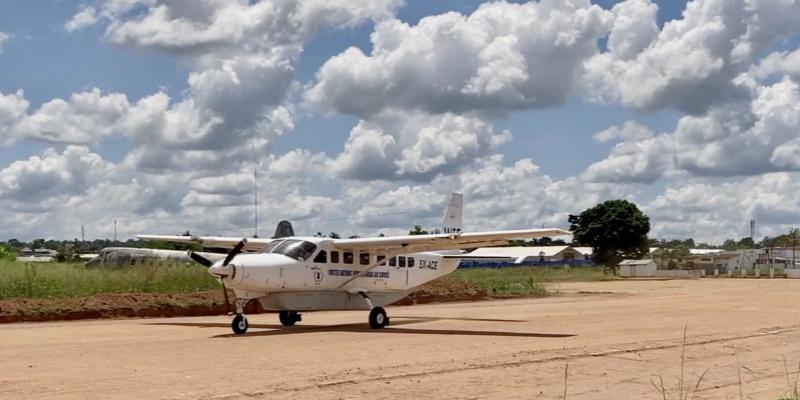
331,279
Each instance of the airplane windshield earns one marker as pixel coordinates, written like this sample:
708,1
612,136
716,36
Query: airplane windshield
297,249
272,246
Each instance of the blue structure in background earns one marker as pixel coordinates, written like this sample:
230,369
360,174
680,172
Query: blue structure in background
506,264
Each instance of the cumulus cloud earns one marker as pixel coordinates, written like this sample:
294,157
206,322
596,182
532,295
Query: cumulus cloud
13,107
714,211
84,18
242,57
52,174
732,140
497,196
82,119
779,63
692,63
415,146
501,57
630,131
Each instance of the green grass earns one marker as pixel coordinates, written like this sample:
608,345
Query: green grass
527,280
59,280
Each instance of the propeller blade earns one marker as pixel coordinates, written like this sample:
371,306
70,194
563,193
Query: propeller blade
236,250
200,259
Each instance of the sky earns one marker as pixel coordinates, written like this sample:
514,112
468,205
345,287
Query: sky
361,116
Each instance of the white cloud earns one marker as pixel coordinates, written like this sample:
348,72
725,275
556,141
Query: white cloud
52,174
630,131
82,119
715,211
692,63
4,38
12,108
86,17
732,140
501,57
242,57
782,62
634,28
415,146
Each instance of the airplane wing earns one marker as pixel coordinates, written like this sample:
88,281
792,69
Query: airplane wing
420,243
216,242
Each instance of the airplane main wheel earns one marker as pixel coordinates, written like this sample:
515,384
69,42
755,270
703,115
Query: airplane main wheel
378,318
239,324
288,318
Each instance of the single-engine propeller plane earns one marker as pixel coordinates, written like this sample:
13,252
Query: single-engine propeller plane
295,274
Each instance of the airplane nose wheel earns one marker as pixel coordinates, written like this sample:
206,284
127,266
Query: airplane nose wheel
378,318
239,324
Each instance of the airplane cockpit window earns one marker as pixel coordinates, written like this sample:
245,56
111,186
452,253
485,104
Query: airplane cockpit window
322,257
272,246
297,249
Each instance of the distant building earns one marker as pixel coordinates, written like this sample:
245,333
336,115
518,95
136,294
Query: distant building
637,268
531,254
586,251
36,255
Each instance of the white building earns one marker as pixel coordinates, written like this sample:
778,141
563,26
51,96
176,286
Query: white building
637,268
531,254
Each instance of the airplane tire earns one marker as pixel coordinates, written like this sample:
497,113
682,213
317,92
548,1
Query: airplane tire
288,318
239,324
378,318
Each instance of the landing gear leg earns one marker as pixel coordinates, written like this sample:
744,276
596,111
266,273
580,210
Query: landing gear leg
239,323
288,318
378,319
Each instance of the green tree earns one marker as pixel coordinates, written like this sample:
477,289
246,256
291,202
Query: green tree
8,253
746,243
418,231
729,244
616,229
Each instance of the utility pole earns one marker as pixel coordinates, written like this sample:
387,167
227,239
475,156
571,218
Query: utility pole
115,230
255,203
83,236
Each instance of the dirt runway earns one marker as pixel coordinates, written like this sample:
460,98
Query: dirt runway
620,340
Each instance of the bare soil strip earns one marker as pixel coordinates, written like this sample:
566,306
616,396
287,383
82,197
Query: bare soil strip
621,339
202,303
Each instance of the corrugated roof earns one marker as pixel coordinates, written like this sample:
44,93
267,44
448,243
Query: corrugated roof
518,251
635,262
587,251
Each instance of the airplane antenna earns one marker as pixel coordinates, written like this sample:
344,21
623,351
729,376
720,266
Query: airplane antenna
255,203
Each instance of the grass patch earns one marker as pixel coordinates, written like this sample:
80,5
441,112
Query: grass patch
59,280
527,280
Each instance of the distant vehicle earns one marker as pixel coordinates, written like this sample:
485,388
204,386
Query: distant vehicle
297,274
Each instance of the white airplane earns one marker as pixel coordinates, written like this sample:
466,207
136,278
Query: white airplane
296,273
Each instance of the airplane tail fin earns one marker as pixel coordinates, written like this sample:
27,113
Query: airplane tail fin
284,229
452,217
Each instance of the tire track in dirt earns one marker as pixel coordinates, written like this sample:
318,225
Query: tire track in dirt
637,348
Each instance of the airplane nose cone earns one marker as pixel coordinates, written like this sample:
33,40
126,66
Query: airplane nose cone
221,270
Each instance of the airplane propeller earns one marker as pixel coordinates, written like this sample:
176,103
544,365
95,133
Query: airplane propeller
208,263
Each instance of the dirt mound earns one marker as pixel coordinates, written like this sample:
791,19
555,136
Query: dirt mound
211,302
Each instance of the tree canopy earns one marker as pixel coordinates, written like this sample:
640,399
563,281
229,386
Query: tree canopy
615,229
418,231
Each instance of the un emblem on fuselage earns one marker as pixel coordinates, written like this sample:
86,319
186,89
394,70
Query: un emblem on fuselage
318,276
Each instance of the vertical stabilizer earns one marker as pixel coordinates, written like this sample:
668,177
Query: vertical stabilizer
452,217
